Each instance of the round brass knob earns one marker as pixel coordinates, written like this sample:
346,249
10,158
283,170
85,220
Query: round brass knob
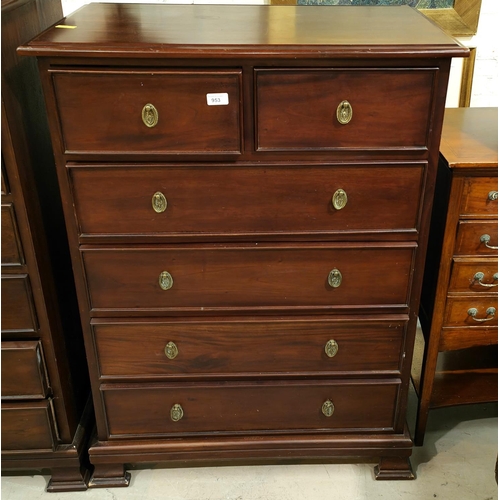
493,195
327,408
166,281
344,112
176,412
339,199
149,115
159,202
331,348
171,350
335,278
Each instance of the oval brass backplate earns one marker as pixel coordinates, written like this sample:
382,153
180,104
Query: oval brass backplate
331,348
344,112
335,278
327,409
176,412
149,115
171,350
166,281
339,199
159,202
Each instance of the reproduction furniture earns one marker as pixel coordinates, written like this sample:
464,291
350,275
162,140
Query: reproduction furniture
44,375
247,193
456,358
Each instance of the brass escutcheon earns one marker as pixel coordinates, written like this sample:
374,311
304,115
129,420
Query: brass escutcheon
339,199
149,115
171,350
176,412
166,281
159,202
327,408
335,278
344,112
331,348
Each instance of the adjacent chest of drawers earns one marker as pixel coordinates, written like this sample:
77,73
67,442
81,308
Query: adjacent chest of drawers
459,299
44,375
247,193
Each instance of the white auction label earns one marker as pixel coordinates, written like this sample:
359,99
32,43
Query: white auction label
218,99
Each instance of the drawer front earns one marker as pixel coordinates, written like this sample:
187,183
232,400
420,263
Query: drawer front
226,348
18,311
214,277
247,199
297,109
459,312
102,112
28,426
12,254
473,238
24,375
480,196
238,407
478,276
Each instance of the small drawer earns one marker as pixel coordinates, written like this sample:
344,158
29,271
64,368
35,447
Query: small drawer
145,410
471,311
12,252
214,277
480,197
28,426
244,347
4,181
304,109
218,199
24,375
456,338
478,275
18,311
154,112
477,238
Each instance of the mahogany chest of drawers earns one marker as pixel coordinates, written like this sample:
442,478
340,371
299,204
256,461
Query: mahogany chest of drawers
459,298
247,193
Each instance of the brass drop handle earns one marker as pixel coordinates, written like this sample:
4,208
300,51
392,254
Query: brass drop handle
171,350
339,199
335,278
176,412
331,348
166,281
485,238
159,202
344,112
327,408
149,115
493,195
479,276
490,313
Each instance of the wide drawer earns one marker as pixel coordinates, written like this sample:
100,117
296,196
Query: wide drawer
478,275
18,312
479,197
471,311
247,347
12,253
141,410
256,277
199,200
297,108
475,238
102,111
24,375
28,426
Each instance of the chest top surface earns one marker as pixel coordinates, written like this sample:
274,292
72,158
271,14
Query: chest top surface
470,137
155,31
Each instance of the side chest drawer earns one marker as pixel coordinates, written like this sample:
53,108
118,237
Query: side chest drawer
298,109
477,238
224,199
148,111
18,309
12,253
24,374
480,197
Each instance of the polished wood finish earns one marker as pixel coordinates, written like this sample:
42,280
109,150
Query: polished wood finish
249,233
44,374
448,370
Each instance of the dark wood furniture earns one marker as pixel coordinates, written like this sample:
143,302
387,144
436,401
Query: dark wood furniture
44,375
456,359
247,192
